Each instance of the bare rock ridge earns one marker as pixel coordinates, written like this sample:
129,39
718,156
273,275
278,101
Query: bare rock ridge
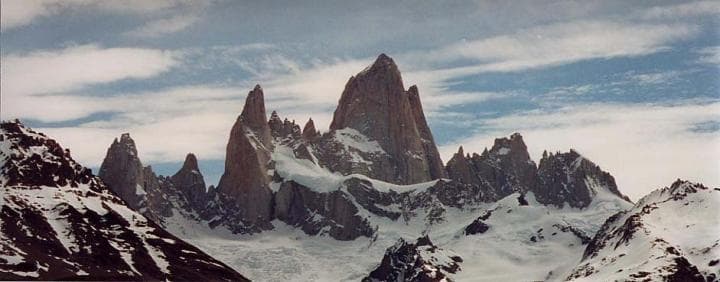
571,178
376,104
506,168
244,187
564,178
61,222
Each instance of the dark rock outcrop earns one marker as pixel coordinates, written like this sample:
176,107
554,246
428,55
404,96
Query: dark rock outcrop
505,169
419,261
190,182
376,104
309,133
570,178
122,171
317,213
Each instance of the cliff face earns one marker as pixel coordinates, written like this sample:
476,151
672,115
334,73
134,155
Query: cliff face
571,178
244,187
376,105
506,168
190,182
122,171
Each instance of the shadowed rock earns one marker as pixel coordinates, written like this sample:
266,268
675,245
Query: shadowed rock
244,186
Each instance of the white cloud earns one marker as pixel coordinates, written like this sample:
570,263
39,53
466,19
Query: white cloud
654,77
17,13
562,43
692,9
45,72
164,26
710,55
644,146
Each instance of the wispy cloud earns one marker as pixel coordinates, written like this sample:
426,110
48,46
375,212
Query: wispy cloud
709,55
17,13
564,43
24,76
164,26
643,146
691,9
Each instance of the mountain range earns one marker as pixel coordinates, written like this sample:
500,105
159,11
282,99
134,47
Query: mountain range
370,200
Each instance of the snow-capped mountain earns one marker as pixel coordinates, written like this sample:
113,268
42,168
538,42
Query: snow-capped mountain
304,205
368,200
60,222
672,234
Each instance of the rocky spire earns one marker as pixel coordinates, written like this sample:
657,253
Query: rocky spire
244,186
138,186
122,171
190,182
431,153
254,117
459,168
309,132
376,104
504,169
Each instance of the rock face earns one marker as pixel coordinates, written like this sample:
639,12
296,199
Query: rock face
309,132
650,241
190,182
571,178
244,187
122,171
419,261
60,222
138,186
330,213
376,104
505,169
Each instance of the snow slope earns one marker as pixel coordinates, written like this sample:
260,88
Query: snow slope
671,234
58,221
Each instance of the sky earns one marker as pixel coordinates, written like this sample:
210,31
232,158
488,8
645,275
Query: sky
634,86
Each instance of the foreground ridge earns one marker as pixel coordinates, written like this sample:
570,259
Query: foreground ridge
59,221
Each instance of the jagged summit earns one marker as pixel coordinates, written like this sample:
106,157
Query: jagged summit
137,185
309,132
376,104
253,115
571,178
383,64
669,235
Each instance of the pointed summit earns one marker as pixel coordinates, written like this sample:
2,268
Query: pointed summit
309,132
191,183
376,104
190,163
253,114
383,62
